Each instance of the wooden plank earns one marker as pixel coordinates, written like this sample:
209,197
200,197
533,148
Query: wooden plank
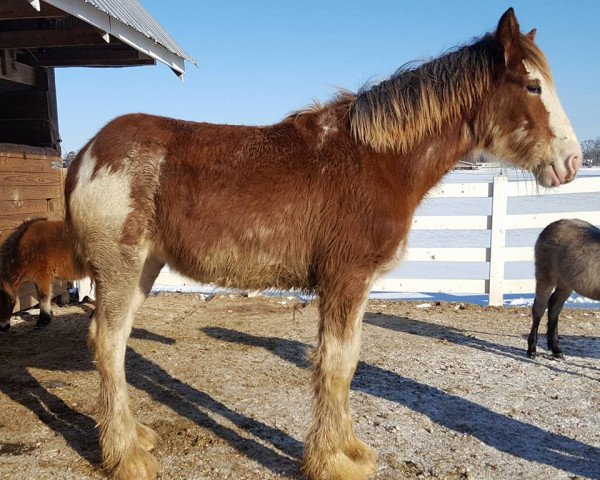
11,222
518,254
29,165
445,222
8,179
18,73
100,57
171,279
55,215
50,38
430,285
540,220
56,205
530,188
519,286
20,192
447,255
29,151
498,240
515,189
460,190
20,207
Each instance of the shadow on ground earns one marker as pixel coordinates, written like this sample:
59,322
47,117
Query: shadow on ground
62,350
498,431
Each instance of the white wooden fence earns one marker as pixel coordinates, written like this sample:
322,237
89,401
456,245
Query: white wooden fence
496,254
498,221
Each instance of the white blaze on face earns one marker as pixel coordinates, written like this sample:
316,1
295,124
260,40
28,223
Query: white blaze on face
567,152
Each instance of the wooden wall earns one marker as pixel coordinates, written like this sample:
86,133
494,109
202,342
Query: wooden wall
29,115
31,185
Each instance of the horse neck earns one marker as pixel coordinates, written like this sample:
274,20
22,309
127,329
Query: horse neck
415,172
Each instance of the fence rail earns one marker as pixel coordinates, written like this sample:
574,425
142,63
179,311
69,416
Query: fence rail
497,254
498,222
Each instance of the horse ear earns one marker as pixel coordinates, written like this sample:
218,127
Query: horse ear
531,35
508,33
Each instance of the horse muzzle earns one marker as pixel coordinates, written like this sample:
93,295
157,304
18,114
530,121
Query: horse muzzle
564,169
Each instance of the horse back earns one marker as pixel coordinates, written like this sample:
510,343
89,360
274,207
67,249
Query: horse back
44,252
565,254
250,207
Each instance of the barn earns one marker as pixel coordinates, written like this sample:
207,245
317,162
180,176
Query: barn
37,36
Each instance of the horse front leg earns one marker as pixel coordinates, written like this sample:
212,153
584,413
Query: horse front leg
332,451
555,305
542,293
44,294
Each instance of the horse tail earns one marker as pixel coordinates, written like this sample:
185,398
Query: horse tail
78,254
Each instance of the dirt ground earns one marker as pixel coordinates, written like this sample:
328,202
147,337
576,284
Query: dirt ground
442,391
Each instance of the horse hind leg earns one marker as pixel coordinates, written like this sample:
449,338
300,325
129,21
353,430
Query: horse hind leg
332,451
543,290
44,294
123,281
555,305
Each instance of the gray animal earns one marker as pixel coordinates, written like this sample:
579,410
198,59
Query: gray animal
566,260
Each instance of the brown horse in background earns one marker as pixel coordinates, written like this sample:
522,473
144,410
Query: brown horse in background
38,251
321,201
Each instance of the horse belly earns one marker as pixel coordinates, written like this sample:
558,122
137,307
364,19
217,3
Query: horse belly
250,259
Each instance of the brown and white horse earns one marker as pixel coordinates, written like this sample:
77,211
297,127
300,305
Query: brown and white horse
38,251
321,201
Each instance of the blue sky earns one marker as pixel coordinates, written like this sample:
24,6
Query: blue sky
259,60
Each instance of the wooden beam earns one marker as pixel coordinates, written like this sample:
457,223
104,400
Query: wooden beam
101,57
30,192
14,71
18,9
25,207
50,38
29,165
25,179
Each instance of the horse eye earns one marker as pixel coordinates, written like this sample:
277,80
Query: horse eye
535,89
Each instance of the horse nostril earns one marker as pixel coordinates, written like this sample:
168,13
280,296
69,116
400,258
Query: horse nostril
5,327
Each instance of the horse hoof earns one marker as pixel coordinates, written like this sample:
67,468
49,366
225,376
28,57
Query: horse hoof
337,466
361,453
558,356
140,465
43,320
531,354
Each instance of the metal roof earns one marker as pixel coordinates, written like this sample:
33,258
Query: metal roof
132,13
128,21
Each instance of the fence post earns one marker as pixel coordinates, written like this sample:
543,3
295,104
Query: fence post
498,239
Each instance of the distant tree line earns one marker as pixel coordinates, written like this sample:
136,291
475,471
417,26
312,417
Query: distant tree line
591,151
68,158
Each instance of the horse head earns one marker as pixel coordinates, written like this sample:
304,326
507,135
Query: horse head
522,120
